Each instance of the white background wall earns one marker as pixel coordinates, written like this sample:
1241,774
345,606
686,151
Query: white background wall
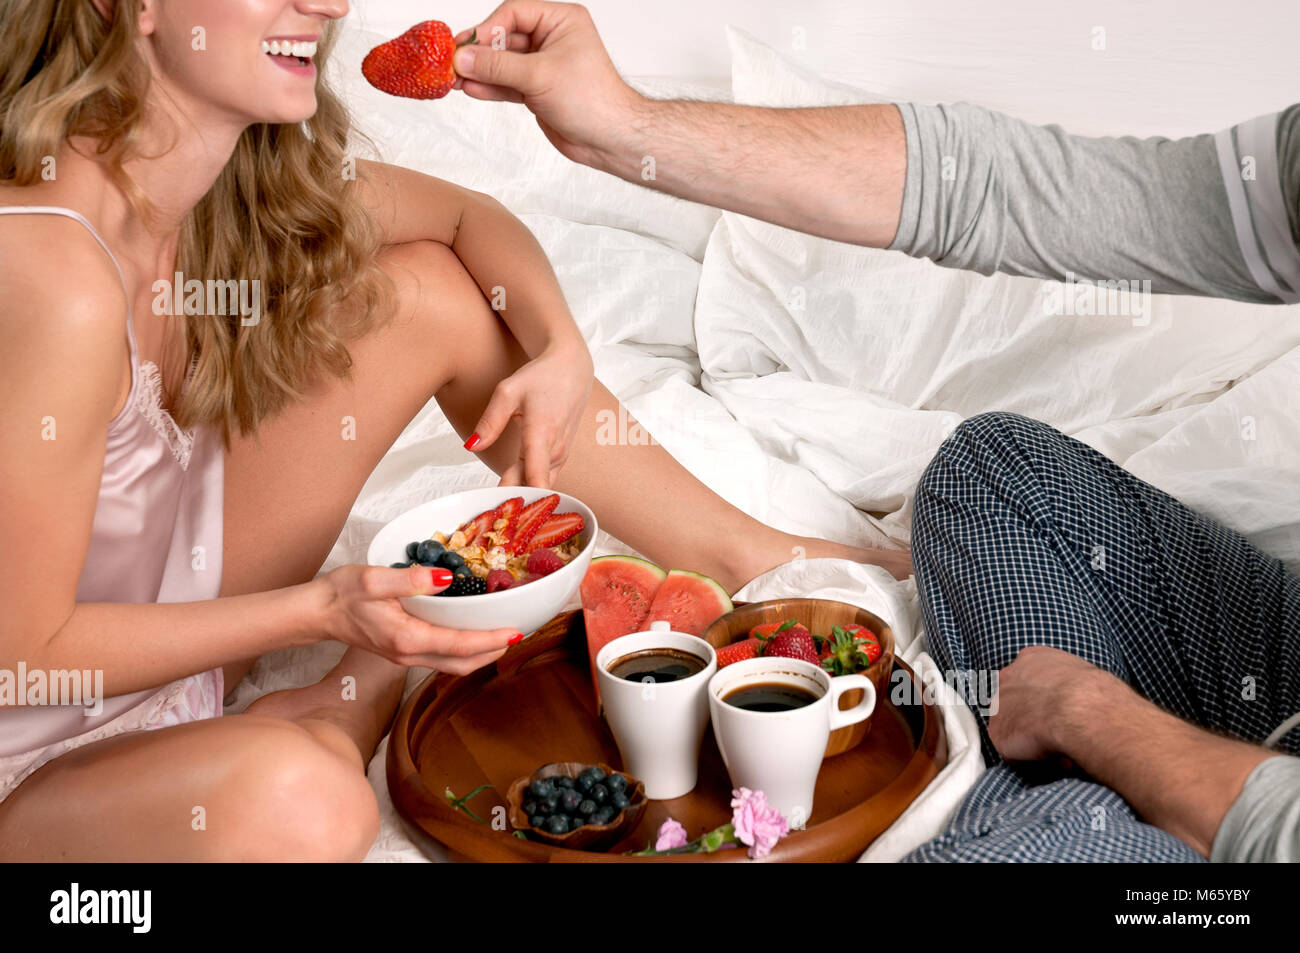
1170,67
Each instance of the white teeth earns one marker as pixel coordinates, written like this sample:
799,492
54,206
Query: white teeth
305,49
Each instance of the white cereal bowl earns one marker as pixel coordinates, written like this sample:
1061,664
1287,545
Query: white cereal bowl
525,608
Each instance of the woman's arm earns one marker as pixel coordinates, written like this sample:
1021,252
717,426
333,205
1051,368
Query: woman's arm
62,353
496,248
512,271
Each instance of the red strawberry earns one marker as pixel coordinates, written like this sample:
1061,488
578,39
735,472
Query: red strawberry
558,529
794,642
530,521
862,634
543,562
417,64
499,579
852,648
738,651
764,630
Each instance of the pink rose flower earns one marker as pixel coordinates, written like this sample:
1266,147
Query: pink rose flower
671,834
758,825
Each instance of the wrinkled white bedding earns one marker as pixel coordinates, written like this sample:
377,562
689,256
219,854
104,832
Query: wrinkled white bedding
809,382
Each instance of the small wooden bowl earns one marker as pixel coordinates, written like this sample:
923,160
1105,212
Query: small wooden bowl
588,836
818,616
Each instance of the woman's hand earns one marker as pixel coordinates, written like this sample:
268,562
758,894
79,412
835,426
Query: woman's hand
362,609
549,395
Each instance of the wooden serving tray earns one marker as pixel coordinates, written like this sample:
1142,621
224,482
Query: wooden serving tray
536,705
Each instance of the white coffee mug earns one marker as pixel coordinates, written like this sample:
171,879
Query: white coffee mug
780,752
658,725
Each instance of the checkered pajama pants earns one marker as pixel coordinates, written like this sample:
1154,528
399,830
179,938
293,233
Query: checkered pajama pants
1024,536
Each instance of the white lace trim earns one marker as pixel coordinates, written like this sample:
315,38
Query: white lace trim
149,402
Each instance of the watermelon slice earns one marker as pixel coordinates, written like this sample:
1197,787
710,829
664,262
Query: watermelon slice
616,595
688,602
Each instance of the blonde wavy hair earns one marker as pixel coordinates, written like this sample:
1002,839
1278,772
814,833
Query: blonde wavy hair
281,211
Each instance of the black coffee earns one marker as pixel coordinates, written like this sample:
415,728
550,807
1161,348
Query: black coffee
656,665
769,696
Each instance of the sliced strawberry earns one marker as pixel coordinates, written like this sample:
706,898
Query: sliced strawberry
738,651
530,521
479,525
558,529
508,511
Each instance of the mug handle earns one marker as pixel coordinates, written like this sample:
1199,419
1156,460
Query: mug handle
859,712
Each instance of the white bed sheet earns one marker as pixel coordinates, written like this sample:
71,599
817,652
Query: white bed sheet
633,264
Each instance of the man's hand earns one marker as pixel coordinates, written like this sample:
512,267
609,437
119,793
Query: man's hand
549,57
1028,709
1176,775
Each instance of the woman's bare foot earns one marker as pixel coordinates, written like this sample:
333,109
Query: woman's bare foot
358,697
754,561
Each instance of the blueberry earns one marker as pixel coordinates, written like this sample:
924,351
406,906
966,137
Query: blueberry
599,793
529,807
412,550
576,821
399,565
549,805
616,783
564,782
450,560
538,821
619,800
558,824
428,552
541,788
569,800
604,815
585,782
587,807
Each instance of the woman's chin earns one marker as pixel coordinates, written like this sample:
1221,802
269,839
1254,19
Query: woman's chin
289,114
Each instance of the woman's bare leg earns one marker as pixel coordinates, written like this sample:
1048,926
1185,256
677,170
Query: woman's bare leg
640,493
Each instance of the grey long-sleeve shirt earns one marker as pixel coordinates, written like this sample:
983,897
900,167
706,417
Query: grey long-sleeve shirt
1215,215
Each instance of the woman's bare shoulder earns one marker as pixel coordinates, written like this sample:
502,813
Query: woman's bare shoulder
52,263
64,314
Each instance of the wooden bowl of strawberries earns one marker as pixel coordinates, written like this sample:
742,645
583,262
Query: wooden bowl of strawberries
843,639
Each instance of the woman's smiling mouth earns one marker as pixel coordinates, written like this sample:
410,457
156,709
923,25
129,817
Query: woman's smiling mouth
291,53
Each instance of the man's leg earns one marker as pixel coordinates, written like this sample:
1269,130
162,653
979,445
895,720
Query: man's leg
1023,536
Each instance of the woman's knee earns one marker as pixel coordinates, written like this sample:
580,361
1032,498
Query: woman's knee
428,279
291,797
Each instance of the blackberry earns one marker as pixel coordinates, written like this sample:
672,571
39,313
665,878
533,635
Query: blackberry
465,585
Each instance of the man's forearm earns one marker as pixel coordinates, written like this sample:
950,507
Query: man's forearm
833,171
1176,776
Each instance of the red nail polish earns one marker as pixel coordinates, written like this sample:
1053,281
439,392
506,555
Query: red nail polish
441,577
473,441
516,638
